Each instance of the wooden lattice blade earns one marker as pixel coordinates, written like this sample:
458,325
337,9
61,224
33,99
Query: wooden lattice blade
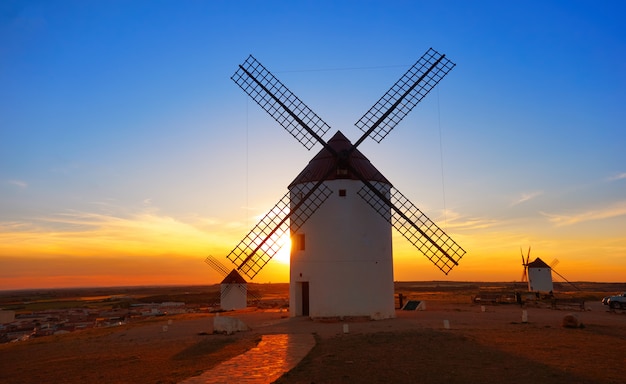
265,240
277,100
415,226
217,265
404,95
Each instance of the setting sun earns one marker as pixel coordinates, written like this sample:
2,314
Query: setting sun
284,254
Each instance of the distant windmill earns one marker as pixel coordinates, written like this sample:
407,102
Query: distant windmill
233,288
341,257
538,274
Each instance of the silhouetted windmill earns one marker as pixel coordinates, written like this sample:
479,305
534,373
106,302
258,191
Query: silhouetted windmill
233,288
346,266
525,265
538,274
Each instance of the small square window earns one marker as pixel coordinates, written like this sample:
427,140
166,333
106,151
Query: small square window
342,192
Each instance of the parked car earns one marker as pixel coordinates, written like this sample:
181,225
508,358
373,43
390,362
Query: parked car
615,302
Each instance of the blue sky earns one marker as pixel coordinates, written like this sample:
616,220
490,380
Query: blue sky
125,145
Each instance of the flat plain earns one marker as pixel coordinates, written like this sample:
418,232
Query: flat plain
455,339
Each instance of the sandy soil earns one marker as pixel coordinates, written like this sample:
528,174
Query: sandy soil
483,344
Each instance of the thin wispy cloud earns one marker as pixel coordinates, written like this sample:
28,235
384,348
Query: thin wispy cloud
203,222
13,226
81,232
526,196
18,183
454,220
618,176
473,223
611,211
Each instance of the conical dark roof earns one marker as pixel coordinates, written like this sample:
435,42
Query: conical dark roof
324,161
538,263
233,278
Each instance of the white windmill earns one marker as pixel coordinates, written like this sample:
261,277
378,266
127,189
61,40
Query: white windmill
348,264
341,259
233,288
538,274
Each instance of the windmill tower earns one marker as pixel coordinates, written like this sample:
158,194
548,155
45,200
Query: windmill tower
233,292
339,211
330,263
538,274
233,288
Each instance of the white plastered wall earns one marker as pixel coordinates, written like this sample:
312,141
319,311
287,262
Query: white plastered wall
233,296
540,280
347,260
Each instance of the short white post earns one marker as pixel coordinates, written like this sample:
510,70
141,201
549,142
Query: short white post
524,316
346,328
446,324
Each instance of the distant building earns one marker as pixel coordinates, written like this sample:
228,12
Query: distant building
234,292
539,277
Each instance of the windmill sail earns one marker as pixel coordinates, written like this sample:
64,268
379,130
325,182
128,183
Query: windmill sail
416,227
525,264
390,109
231,278
277,100
216,265
263,241
404,95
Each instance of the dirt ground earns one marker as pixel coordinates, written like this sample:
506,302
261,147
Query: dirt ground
494,346
483,344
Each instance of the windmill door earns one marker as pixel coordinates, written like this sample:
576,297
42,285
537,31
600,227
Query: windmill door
305,298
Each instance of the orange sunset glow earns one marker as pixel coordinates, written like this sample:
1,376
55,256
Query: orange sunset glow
128,154
149,249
